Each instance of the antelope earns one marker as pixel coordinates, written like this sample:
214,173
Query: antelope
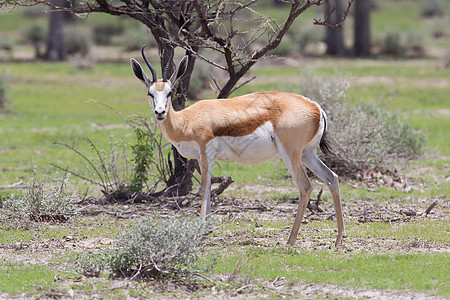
247,129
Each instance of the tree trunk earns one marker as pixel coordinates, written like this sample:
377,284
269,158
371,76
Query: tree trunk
334,37
361,45
55,39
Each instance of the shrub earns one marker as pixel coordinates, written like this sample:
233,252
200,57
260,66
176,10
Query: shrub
200,78
143,156
432,8
105,31
152,248
446,61
285,48
112,170
393,43
363,136
3,87
109,169
305,35
35,33
133,40
6,43
39,203
77,40
398,43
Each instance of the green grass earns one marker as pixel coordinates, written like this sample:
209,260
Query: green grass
27,279
80,228
415,272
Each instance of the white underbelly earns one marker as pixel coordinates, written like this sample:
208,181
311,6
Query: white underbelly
254,148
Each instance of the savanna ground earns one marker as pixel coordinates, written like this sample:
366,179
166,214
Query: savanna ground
386,253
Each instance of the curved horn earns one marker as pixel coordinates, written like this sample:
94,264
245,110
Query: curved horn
166,68
149,65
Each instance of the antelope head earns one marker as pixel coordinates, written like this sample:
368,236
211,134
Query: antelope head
159,90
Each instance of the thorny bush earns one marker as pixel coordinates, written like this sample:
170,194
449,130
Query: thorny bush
364,136
152,248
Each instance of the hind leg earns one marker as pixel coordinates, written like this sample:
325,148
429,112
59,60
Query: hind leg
293,162
330,178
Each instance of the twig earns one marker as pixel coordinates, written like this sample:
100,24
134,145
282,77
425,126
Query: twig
224,184
428,210
239,290
17,185
240,85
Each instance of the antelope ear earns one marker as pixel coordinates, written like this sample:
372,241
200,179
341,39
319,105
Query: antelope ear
181,70
140,74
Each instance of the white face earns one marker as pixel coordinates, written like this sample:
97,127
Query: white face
160,93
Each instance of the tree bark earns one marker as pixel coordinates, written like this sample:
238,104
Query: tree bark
55,39
361,45
334,37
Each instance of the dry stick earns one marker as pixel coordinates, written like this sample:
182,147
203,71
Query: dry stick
428,210
315,206
224,183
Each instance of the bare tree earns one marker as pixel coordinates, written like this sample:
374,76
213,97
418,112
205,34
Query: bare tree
197,25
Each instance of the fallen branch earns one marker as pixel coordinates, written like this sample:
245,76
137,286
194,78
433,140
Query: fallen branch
313,205
428,210
224,184
16,185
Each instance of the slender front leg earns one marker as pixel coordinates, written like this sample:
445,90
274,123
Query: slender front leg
207,162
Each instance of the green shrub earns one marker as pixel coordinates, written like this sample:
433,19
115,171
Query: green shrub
35,33
105,31
393,43
152,248
112,169
302,36
6,43
432,8
143,156
363,136
446,61
39,203
77,40
3,88
285,48
134,39
399,43
200,79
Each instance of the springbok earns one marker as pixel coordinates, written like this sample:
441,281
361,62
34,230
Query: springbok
246,129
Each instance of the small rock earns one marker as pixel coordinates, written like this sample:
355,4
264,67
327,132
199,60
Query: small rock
68,238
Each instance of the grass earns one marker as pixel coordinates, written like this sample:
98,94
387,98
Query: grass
415,272
18,278
79,228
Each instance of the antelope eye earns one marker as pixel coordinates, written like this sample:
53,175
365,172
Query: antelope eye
169,94
149,94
